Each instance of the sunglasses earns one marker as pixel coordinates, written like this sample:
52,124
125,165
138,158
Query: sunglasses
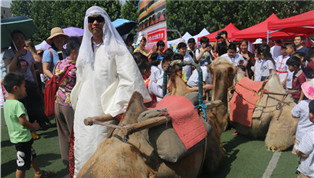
98,19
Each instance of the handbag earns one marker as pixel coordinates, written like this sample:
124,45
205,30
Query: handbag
51,88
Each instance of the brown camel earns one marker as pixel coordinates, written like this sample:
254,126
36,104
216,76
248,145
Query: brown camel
273,122
137,158
272,118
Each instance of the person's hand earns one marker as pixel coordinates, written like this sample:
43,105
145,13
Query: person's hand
216,37
207,49
19,53
36,125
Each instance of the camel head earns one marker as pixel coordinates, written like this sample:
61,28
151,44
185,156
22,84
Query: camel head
223,73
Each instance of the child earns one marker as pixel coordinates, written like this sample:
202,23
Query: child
305,149
301,111
19,127
155,70
265,65
193,81
145,70
186,57
298,77
179,57
281,67
290,51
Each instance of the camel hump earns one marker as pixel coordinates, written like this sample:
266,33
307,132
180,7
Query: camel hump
135,107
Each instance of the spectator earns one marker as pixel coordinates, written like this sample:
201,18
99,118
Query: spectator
301,111
203,54
186,57
193,80
192,48
155,71
305,149
145,69
265,64
298,77
52,55
249,58
105,69
141,47
64,112
234,57
160,48
290,51
298,44
19,127
281,67
21,60
129,41
275,50
258,42
221,47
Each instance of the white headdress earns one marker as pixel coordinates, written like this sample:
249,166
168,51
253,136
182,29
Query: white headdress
111,38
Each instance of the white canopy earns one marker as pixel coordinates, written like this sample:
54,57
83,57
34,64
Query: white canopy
185,37
202,33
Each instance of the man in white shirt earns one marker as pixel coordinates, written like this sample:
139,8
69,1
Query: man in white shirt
281,66
275,50
233,56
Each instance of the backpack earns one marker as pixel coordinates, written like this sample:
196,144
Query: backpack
51,88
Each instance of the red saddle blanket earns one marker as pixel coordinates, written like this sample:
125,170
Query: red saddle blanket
243,102
185,119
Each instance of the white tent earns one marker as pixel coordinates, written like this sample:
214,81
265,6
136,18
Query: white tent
202,33
185,37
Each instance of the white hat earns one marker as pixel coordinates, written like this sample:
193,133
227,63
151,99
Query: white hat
258,41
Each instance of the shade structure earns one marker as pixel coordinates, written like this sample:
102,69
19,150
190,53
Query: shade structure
21,23
302,23
185,38
204,32
73,31
230,28
260,30
124,26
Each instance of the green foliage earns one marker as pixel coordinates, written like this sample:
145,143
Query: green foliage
193,16
59,13
185,16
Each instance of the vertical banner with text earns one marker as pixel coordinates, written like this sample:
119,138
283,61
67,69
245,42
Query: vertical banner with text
152,21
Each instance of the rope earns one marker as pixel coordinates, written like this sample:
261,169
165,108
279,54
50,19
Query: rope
202,106
279,105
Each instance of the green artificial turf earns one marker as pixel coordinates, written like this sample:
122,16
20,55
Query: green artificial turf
47,149
246,158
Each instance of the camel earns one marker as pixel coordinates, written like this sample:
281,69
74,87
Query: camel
135,157
274,123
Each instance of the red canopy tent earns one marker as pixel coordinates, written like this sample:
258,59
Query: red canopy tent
230,28
302,23
259,30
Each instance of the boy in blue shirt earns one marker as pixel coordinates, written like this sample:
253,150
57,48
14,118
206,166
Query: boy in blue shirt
19,127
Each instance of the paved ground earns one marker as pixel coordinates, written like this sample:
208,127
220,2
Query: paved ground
245,158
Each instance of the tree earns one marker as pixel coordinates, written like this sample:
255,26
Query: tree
129,10
49,14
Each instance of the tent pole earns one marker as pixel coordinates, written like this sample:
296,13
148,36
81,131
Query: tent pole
267,36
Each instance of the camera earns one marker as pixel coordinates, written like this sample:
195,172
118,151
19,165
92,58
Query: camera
220,33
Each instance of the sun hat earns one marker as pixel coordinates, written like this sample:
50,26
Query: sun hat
258,41
308,89
56,31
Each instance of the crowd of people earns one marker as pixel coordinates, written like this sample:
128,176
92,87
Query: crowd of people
98,74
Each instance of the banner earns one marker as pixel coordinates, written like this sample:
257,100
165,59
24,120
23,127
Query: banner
152,21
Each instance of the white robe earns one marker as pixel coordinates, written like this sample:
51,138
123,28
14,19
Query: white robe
104,87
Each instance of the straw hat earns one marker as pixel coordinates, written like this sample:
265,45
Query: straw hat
56,31
308,89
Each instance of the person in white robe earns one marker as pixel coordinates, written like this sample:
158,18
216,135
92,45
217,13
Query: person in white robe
107,76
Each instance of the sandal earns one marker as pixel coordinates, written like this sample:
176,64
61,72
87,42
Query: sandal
44,174
35,136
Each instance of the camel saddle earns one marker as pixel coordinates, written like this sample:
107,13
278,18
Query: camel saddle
166,141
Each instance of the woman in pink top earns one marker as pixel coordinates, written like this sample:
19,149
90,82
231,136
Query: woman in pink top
65,70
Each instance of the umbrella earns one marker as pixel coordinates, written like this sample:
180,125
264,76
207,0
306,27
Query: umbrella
71,31
124,26
21,23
